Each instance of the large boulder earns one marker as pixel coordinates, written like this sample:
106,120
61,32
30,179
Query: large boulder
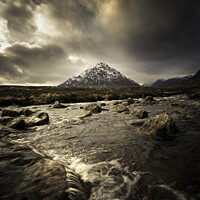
17,123
139,113
57,104
93,107
161,126
37,119
119,108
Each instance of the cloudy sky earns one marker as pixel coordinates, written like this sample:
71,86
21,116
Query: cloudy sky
44,42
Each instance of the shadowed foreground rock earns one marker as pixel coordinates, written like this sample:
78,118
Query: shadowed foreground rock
27,175
161,126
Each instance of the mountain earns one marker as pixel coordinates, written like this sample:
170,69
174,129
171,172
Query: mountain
194,80
171,81
101,75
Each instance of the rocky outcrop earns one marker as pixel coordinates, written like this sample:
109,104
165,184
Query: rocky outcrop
161,126
27,175
57,104
119,108
21,119
93,107
139,113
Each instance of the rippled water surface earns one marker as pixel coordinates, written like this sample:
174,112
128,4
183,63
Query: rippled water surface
115,160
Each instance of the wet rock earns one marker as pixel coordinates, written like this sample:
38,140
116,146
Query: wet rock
119,108
103,104
17,123
116,102
161,126
137,122
5,120
87,114
148,100
130,101
125,103
93,107
57,104
37,119
139,113
29,175
26,112
10,113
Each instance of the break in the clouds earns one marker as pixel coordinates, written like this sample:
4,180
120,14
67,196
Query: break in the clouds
47,41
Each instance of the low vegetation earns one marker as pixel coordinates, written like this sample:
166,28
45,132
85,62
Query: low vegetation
30,95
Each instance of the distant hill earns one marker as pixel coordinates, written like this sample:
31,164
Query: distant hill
171,81
101,75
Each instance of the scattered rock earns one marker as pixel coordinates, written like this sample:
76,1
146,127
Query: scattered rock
125,103
116,102
37,119
148,100
26,112
137,122
57,104
93,107
130,101
103,104
139,113
5,120
161,126
10,113
119,108
17,123
87,114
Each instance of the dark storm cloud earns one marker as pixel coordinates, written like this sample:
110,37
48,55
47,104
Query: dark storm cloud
140,37
36,64
19,15
157,29
7,68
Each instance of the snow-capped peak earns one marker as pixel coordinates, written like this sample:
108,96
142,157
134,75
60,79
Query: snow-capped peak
100,75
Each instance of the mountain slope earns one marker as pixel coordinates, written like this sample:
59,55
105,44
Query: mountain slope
171,81
194,80
101,75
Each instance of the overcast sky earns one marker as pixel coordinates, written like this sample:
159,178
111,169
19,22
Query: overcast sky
48,41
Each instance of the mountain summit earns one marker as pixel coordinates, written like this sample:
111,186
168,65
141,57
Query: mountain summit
101,75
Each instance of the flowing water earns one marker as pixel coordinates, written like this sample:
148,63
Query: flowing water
106,158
